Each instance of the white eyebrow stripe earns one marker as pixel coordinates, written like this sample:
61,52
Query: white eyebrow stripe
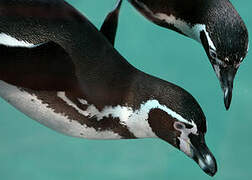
156,104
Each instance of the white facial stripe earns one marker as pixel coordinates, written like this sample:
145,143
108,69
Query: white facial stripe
7,40
136,121
155,104
33,107
185,140
210,42
191,31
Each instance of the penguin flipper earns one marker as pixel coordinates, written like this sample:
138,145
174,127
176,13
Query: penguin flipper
109,26
43,67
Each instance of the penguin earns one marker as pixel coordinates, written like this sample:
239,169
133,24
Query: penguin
213,23
59,70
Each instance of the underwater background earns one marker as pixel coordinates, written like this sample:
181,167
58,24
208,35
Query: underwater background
29,150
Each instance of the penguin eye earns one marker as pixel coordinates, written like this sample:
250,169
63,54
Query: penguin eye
179,126
212,54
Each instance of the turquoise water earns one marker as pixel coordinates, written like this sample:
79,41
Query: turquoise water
29,150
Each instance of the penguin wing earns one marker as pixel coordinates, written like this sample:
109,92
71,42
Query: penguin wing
109,26
43,67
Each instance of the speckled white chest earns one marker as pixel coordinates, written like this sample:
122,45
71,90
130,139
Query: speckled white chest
33,107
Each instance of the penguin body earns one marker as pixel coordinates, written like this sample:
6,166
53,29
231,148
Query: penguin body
58,69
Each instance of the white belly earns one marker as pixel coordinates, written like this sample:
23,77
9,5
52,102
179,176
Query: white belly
33,107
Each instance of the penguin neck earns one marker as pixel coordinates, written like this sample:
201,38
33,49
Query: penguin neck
169,14
131,89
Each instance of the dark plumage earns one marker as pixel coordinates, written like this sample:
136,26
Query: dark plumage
72,80
223,29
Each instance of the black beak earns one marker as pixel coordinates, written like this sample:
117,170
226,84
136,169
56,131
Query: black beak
205,159
226,78
202,156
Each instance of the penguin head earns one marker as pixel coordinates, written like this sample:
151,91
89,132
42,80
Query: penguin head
225,40
214,23
183,125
